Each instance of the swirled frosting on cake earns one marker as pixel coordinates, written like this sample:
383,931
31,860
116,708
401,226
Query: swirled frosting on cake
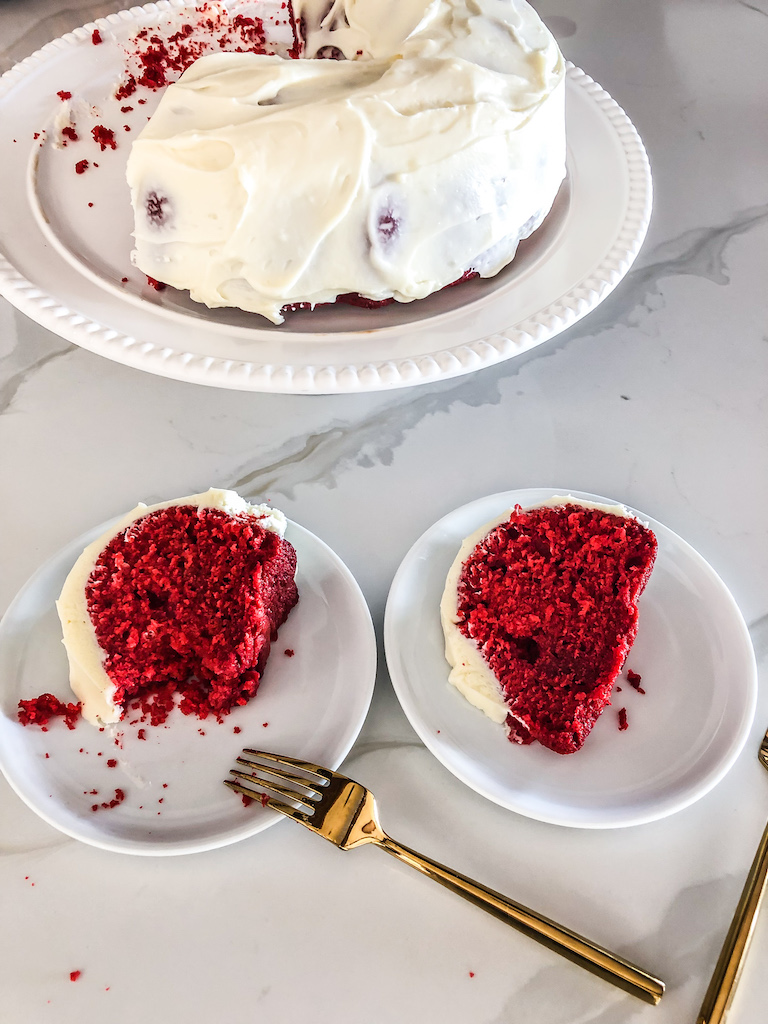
429,151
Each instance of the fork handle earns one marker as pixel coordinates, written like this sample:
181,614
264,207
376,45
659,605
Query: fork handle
727,972
562,940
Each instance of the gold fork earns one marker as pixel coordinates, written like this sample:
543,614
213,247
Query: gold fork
344,812
729,966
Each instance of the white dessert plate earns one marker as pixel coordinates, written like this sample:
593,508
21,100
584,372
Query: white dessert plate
66,264
311,705
692,651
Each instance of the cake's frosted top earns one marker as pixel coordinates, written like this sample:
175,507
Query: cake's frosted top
429,151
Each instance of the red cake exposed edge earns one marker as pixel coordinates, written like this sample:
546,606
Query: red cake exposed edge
550,598
187,600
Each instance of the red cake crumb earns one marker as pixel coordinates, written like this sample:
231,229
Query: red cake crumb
112,763
471,974
107,805
185,602
40,710
141,734
550,598
96,37
74,975
155,58
237,729
125,110
623,723
265,724
251,30
634,679
81,166
104,136
289,652
264,800
157,285
70,133
247,800
128,88
64,96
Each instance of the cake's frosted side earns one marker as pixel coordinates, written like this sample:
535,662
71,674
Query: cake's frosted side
431,150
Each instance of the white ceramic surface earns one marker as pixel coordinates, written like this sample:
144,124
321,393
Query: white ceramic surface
67,265
692,650
312,703
658,397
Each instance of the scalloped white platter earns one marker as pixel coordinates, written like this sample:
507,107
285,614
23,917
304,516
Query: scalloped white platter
684,733
312,703
65,244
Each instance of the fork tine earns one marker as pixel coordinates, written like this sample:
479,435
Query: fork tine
268,769
293,762
289,794
238,788
289,812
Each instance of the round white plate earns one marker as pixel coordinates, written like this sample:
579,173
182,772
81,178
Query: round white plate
63,262
692,651
311,705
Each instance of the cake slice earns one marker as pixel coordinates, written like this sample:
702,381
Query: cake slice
539,613
182,598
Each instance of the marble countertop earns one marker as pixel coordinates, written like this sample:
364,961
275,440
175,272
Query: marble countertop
659,399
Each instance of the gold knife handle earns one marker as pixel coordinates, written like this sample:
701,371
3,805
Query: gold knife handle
727,972
562,940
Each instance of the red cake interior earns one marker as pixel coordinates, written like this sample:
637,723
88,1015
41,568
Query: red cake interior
188,600
550,598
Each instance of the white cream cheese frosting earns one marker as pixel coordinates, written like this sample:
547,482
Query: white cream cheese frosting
470,672
87,677
431,150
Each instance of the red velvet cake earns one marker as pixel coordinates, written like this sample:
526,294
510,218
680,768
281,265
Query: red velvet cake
545,601
182,598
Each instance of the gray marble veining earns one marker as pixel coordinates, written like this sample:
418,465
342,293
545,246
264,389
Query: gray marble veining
659,398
